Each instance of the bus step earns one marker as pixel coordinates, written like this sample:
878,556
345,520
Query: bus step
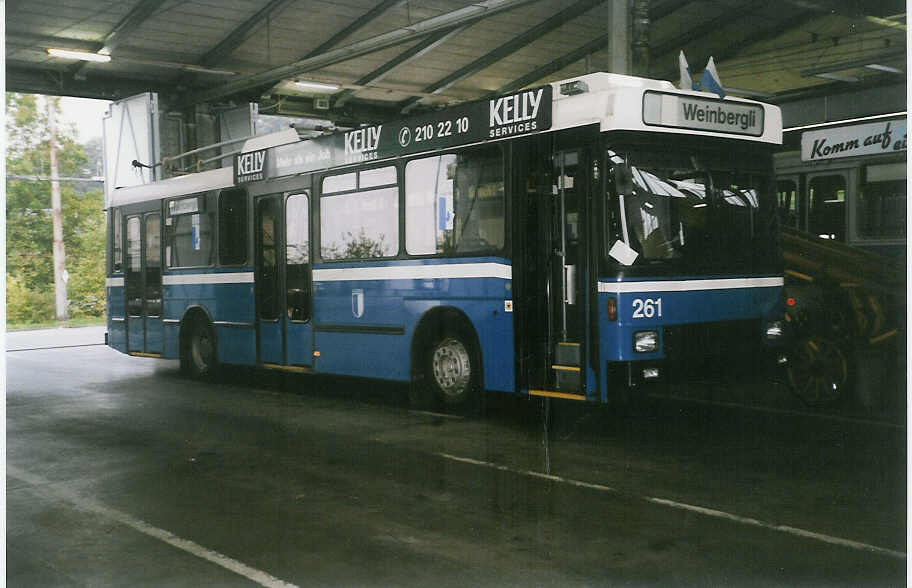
567,353
566,379
554,394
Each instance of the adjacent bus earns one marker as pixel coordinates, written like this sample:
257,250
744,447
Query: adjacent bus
846,182
571,240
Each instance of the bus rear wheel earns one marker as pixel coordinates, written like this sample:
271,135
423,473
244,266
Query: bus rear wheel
198,356
451,373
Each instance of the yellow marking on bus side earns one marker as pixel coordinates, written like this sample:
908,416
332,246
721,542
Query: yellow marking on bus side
569,343
143,354
800,275
566,368
287,368
557,394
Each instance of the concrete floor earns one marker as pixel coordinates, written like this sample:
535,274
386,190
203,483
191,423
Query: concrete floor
120,472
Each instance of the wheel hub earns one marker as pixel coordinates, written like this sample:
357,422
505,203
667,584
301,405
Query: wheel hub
452,367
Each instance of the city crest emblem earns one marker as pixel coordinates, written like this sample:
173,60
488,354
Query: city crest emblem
358,303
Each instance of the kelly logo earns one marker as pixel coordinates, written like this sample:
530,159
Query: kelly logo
359,144
517,108
250,167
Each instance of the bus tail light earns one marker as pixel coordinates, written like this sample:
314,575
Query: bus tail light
612,309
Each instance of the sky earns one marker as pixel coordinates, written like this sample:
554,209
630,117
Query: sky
87,115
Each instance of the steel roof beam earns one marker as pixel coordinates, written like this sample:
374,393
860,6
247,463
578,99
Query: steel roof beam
127,25
358,23
738,46
429,43
556,65
508,48
472,13
235,38
693,34
132,21
663,9
60,83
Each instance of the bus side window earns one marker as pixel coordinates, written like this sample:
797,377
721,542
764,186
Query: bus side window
359,215
787,203
880,210
297,258
117,242
190,235
455,203
134,267
826,197
232,226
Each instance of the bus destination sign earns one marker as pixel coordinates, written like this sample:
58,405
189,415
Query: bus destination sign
521,113
702,114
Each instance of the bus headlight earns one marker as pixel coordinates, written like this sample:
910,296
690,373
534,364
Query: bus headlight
646,341
773,331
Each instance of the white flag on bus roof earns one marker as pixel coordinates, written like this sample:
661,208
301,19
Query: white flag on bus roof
686,82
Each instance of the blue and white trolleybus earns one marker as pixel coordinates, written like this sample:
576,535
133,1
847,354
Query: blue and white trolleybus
571,240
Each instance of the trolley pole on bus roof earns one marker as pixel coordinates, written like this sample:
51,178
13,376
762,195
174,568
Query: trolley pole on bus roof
60,277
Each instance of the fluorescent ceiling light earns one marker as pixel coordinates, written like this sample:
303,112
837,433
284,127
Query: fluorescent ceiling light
885,68
82,55
317,86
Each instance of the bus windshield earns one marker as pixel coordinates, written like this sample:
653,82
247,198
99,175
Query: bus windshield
694,209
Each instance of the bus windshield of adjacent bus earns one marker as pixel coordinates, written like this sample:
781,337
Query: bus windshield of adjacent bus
693,206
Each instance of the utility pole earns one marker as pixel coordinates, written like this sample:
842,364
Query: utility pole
60,275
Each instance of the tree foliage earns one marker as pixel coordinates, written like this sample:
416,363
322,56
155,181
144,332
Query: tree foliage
29,237
359,246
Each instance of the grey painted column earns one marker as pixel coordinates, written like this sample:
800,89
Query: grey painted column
619,45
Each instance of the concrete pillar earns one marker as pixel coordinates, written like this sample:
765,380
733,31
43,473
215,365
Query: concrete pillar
640,40
619,46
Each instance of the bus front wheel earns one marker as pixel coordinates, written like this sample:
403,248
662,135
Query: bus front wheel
198,356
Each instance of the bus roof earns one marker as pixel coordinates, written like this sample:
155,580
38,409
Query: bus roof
613,101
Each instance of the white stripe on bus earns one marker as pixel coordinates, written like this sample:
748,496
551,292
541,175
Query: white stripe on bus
114,282
415,272
230,278
689,285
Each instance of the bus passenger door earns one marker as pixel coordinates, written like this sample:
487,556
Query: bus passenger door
550,270
143,284
283,281
567,270
298,288
267,284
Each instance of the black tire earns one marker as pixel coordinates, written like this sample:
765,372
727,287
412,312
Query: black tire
451,375
199,358
818,372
